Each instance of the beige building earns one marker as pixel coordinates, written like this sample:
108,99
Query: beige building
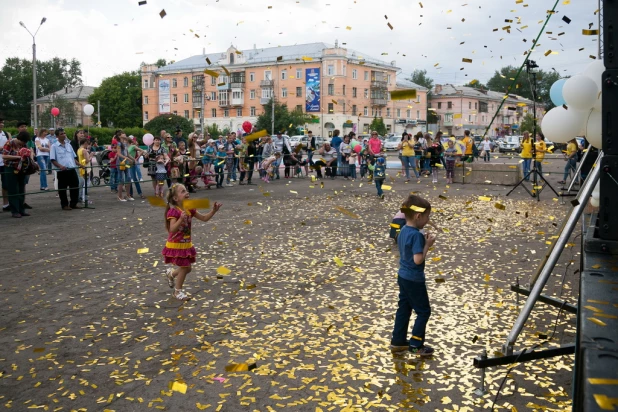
341,88
70,101
460,108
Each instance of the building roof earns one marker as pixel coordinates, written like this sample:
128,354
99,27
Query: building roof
448,90
406,84
266,55
70,93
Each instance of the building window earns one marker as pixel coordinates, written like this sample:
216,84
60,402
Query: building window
175,113
380,112
299,73
231,58
343,107
252,77
252,94
267,93
388,78
344,89
448,118
146,84
185,82
373,112
469,105
213,112
299,92
330,70
145,99
331,108
353,110
388,112
354,74
408,113
268,75
226,113
174,83
418,98
284,74
174,98
299,108
476,105
366,94
398,112
418,114
365,111
449,105
187,114
239,112
213,81
284,92
331,89
145,115
252,111
366,75
343,70
439,105
354,90
213,95
186,97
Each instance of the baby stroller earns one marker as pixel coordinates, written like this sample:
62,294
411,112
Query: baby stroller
104,172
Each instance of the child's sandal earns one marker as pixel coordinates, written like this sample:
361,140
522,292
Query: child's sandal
180,294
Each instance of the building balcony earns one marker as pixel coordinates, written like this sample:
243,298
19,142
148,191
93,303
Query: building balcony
237,102
224,103
448,123
378,101
237,85
379,84
264,100
267,84
197,105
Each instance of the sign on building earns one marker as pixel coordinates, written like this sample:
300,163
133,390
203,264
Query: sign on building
164,96
312,80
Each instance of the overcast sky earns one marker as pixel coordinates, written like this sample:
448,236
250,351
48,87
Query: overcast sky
112,36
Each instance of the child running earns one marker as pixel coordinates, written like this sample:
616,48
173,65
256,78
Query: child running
379,174
413,248
178,249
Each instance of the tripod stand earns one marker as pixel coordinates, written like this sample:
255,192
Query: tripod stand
532,69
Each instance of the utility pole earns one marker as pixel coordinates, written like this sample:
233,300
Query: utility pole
272,114
99,113
34,93
203,103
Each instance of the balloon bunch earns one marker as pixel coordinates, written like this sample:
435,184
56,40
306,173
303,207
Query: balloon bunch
581,94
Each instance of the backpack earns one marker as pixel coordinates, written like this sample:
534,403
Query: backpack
379,173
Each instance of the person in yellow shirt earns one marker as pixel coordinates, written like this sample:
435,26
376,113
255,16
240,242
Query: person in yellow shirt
407,155
468,141
540,148
571,160
83,157
526,154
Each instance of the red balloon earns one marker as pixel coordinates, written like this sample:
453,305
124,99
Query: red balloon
247,126
55,111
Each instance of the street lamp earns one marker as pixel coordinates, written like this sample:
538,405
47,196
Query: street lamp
21,23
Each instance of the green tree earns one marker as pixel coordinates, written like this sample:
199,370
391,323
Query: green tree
66,118
284,119
214,131
169,123
160,63
432,117
420,77
121,100
502,79
476,85
527,124
377,124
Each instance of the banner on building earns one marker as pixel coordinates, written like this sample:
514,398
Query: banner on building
164,96
312,99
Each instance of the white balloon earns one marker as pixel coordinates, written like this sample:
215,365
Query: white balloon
596,192
580,92
88,110
594,202
593,129
560,125
594,71
597,104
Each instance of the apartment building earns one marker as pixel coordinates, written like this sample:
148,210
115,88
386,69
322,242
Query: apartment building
342,89
460,108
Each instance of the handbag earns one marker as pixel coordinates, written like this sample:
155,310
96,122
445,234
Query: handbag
27,166
483,153
175,172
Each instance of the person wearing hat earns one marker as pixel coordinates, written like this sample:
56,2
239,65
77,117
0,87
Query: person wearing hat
62,157
13,153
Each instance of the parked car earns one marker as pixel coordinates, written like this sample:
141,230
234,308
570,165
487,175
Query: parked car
319,141
509,144
392,143
295,140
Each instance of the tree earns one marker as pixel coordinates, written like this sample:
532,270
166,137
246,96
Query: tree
67,116
527,124
502,80
214,131
432,117
284,119
476,85
160,63
169,123
420,77
377,125
121,100
16,83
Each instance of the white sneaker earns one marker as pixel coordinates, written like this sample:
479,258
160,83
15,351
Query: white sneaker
122,200
229,185
141,180
130,198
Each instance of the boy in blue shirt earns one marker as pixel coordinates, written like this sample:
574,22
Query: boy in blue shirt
379,174
413,248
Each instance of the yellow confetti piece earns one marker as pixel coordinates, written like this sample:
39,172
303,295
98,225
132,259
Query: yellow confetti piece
590,32
256,135
155,264
199,405
222,270
143,250
248,222
179,387
227,72
500,206
189,204
211,73
240,367
485,198
547,53
348,27
605,402
386,187
597,321
306,58
596,266
601,381
338,261
36,350
406,94
347,212
465,60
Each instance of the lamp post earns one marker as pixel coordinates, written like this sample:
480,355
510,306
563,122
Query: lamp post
43,20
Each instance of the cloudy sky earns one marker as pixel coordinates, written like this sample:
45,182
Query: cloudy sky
112,36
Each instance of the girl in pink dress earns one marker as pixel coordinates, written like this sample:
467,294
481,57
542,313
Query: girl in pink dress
179,249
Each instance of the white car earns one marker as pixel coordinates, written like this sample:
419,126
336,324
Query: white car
509,144
295,140
391,143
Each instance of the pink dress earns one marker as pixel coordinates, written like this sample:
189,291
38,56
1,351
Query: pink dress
178,249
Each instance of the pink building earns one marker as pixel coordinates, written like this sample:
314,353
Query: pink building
460,108
341,88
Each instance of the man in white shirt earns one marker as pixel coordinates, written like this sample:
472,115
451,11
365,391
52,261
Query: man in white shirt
282,146
4,137
328,158
62,157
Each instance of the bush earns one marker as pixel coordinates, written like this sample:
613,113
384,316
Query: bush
169,123
103,135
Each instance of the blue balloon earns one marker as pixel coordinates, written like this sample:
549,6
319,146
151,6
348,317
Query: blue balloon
555,93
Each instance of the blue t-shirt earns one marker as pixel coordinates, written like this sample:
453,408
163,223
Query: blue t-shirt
208,152
411,242
336,142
